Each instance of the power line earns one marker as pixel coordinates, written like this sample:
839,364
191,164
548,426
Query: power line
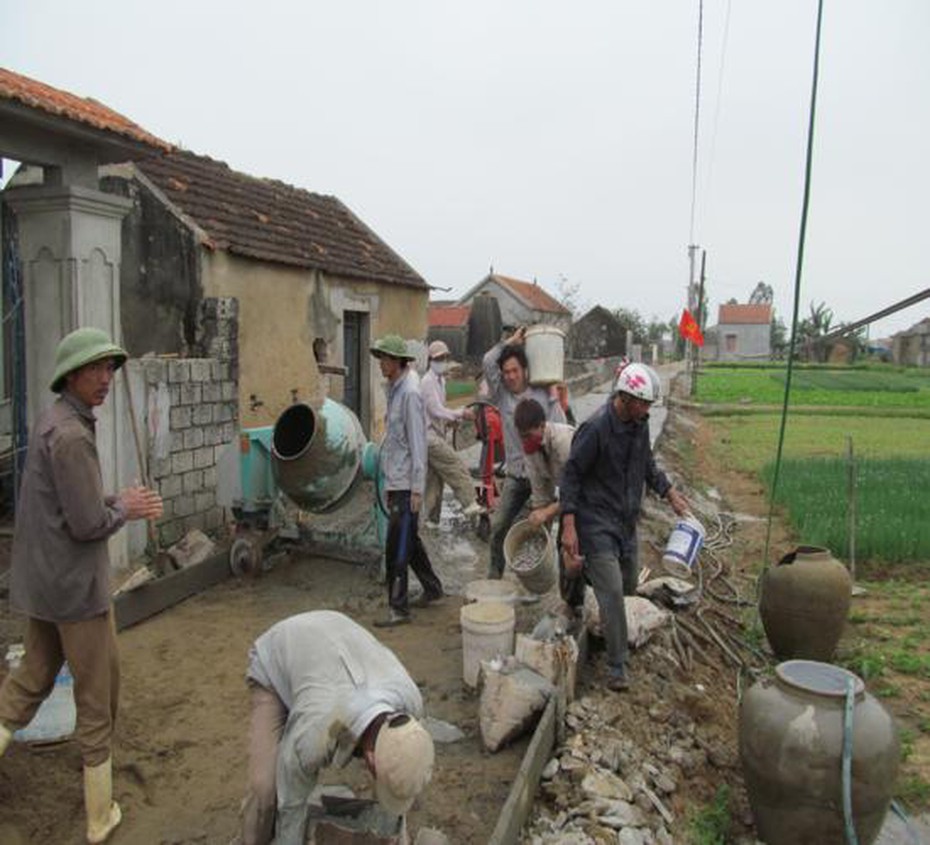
697,118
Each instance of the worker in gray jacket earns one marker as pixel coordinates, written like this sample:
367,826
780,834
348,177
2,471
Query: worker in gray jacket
506,371
323,691
403,467
60,574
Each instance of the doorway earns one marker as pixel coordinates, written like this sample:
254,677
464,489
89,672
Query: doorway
355,342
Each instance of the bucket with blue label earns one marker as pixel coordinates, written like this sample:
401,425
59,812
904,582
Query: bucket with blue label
683,546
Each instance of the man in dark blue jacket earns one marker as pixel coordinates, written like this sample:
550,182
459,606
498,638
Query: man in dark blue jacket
601,495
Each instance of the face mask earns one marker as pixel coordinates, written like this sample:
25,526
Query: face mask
532,442
438,367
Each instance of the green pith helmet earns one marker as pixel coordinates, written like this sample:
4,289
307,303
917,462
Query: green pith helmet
83,346
392,345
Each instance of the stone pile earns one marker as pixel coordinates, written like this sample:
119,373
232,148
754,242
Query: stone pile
602,787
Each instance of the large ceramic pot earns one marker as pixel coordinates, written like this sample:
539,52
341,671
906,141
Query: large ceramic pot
791,748
804,603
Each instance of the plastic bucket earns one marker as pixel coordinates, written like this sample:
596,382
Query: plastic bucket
487,631
491,589
530,553
56,717
545,353
683,545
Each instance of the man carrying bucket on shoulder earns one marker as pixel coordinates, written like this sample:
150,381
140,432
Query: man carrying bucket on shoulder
506,370
601,495
546,447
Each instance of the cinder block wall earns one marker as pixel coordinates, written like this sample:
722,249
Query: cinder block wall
191,413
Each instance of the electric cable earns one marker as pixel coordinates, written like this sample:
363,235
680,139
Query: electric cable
797,286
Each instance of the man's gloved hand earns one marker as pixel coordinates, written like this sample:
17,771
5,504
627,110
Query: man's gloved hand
416,500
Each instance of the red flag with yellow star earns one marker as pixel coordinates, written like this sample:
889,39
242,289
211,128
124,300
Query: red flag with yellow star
689,329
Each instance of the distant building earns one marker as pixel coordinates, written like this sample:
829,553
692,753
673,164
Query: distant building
598,334
911,347
521,303
742,331
448,322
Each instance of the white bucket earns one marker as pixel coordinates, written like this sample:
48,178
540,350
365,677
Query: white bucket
56,717
545,353
487,631
683,545
492,589
537,574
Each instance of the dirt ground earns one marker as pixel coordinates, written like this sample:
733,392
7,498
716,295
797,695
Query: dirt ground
180,742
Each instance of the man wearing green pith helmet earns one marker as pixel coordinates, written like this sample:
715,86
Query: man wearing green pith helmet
403,467
61,567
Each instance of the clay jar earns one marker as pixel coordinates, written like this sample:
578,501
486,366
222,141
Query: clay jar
804,603
791,749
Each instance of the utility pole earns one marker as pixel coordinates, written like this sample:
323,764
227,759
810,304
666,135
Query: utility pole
699,317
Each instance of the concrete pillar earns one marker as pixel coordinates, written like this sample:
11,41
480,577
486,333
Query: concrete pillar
70,250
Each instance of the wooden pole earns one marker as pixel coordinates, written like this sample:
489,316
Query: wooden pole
851,504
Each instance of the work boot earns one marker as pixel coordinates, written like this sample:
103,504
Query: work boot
618,680
5,737
103,813
474,509
393,619
425,599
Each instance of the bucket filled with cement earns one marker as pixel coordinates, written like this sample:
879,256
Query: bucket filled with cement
530,552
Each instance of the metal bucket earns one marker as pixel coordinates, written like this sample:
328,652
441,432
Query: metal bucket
536,572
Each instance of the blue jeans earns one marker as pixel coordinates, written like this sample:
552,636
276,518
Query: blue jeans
613,577
514,495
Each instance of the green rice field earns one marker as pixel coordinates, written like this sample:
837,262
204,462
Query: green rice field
892,505
866,387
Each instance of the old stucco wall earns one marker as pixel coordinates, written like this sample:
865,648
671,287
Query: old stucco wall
282,310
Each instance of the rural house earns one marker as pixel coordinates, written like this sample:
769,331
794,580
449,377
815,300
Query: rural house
598,334
448,322
232,287
301,267
742,331
911,347
521,303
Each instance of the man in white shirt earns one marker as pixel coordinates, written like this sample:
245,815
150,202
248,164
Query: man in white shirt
324,690
444,463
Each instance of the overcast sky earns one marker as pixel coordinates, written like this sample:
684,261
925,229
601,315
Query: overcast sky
551,140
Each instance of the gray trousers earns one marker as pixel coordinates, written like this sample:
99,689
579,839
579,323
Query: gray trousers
444,465
514,495
612,577
89,646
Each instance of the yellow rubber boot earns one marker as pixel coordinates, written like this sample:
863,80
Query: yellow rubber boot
103,813
5,737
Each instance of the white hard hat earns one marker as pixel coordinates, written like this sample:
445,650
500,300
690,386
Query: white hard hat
437,349
640,381
403,762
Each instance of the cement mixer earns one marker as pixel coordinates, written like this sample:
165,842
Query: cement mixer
318,459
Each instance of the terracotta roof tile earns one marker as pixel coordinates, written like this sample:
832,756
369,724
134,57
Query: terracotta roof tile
743,315
532,294
447,315
42,97
272,221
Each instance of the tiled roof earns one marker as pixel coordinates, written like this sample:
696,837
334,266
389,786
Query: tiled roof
532,294
53,101
272,221
447,315
744,315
